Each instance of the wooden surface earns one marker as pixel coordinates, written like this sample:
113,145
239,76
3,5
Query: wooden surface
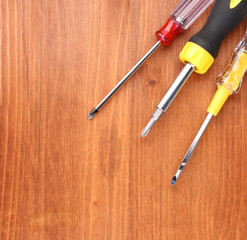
65,177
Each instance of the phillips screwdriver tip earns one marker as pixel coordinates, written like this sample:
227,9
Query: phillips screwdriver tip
146,130
92,113
156,115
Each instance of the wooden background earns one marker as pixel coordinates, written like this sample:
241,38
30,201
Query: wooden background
63,176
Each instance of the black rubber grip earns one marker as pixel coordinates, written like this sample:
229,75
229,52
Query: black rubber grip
221,21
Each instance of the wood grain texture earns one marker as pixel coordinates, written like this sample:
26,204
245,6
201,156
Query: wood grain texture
65,177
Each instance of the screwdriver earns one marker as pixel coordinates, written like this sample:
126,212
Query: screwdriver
180,19
202,49
228,82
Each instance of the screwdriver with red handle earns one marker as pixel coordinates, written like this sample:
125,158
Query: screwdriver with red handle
180,19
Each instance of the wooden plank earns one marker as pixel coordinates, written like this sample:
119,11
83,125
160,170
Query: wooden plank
65,177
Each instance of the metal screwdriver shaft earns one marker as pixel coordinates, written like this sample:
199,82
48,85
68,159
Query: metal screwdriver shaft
202,49
169,97
181,18
127,76
228,83
192,148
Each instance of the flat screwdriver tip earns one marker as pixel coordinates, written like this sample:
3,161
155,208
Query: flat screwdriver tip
174,180
92,113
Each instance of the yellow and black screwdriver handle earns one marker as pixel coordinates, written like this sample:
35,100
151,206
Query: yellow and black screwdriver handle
203,48
230,80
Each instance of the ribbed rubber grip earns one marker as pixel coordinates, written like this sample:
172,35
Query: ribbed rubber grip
224,17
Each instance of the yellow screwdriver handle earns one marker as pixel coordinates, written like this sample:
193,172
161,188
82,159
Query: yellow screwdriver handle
230,80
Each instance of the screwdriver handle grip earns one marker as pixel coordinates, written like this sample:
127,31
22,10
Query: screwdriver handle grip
181,19
224,17
230,80
233,74
202,49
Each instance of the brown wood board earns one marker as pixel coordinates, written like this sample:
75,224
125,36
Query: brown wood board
63,176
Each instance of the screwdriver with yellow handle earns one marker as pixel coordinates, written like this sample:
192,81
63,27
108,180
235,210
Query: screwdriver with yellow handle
229,82
202,49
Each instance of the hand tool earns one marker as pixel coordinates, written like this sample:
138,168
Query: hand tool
180,19
228,82
202,49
